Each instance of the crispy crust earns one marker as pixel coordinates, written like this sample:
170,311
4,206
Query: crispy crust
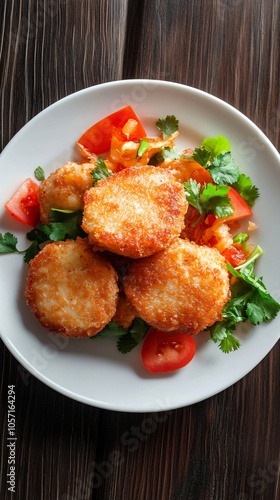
72,290
125,312
181,288
136,212
64,188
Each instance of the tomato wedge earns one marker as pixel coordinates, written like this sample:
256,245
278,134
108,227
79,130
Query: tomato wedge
235,256
97,139
202,176
24,205
165,352
240,207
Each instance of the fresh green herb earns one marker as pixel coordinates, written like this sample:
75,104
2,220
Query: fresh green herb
215,145
212,199
242,238
165,154
128,339
249,301
113,329
134,335
8,243
168,125
223,169
100,172
63,224
31,251
201,156
245,188
39,174
143,147
221,332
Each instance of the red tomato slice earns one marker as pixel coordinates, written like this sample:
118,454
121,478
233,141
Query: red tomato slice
240,207
24,205
235,256
97,139
165,352
202,176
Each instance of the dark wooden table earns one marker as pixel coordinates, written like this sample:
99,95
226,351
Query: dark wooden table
224,448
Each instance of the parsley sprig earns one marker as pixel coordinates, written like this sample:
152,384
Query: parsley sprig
168,125
128,339
210,199
100,172
249,301
63,224
215,155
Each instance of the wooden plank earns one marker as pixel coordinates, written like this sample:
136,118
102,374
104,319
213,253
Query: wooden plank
227,447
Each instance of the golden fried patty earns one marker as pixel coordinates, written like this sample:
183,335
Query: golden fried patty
125,313
181,288
71,289
135,212
64,188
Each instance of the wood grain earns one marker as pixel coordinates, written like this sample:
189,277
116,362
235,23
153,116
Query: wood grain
224,448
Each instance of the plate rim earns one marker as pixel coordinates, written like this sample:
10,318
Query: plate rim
14,350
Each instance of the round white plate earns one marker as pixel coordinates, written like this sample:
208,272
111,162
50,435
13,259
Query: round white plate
93,371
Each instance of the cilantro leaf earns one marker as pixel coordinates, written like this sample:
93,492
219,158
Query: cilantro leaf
242,238
212,199
221,332
8,243
245,188
113,329
223,169
201,156
254,313
216,145
64,225
39,174
100,172
215,200
143,147
249,301
31,251
192,192
165,154
134,335
168,125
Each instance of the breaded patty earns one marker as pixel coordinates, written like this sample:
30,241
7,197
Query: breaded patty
125,312
64,188
71,289
135,212
181,288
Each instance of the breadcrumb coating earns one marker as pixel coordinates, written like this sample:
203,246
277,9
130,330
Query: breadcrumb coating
135,212
71,289
64,188
183,287
125,312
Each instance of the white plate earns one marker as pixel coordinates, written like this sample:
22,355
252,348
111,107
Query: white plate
93,371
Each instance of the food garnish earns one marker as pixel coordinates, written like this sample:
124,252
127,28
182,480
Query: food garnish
217,195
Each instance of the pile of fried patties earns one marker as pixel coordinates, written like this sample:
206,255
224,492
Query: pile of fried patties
134,261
